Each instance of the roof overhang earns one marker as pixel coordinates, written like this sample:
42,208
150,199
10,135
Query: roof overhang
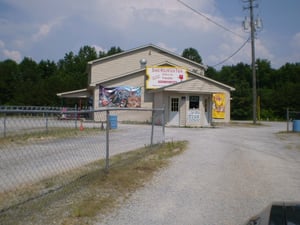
81,93
148,46
195,85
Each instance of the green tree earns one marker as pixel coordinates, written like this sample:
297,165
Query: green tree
27,84
192,54
265,88
237,76
85,54
286,93
73,67
112,51
8,79
212,73
47,68
47,91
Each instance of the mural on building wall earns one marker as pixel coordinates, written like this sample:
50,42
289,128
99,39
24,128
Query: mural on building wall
160,76
219,101
122,96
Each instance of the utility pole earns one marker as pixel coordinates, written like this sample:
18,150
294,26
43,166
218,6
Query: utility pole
254,25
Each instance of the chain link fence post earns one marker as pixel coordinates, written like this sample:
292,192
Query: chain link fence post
163,123
152,128
287,120
47,121
107,142
4,125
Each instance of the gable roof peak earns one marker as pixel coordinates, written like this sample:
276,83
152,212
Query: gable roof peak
150,45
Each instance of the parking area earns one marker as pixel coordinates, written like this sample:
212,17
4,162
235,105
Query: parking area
227,175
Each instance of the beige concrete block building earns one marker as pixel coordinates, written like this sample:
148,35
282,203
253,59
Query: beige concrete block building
152,77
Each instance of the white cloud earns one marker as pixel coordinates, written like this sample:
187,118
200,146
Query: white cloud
296,40
130,23
15,55
99,48
262,51
294,55
19,44
45,29
164,46
2,44
121,15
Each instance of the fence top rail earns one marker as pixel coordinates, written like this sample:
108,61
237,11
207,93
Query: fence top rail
128,109
20,107
10,110
294,111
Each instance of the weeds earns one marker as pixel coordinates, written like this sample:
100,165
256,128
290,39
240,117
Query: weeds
94,192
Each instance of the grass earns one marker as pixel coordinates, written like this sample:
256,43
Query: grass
246,123
33,136
94,191
291,139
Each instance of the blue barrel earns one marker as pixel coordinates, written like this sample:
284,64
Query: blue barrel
113,121
296,125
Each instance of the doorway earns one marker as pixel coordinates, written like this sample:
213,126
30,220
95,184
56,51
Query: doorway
174,111
206,106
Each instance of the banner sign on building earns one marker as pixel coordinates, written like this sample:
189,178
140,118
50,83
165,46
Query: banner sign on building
161,76
123,96
219,103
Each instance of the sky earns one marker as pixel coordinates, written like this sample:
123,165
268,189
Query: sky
47,30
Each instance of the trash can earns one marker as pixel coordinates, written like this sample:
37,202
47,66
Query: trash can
296,125
113,121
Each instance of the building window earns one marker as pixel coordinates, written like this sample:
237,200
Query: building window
194,102
174,104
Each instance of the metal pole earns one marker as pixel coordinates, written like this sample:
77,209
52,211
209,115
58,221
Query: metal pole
253,61
287,120
107,141
152,128
46,122
4,125
163,124
76,116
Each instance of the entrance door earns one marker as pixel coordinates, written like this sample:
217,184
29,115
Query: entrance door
206,110
174,111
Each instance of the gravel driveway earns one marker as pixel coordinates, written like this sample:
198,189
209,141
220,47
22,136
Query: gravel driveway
29,163
227,175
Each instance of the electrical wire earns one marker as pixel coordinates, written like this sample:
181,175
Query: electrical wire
219,25
233,54
210,20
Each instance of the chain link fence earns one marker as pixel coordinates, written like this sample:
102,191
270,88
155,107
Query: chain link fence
42,149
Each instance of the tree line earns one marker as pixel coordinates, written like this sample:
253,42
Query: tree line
277,89
36,84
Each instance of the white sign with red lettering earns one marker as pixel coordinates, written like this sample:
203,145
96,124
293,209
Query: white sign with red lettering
162,76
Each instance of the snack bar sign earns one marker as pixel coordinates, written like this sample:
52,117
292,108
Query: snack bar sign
163,76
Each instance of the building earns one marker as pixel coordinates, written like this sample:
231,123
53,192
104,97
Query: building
153,77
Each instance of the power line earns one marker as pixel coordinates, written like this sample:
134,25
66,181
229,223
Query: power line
221,26
233,54
210,20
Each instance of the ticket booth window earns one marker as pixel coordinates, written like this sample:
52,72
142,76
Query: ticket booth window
194,102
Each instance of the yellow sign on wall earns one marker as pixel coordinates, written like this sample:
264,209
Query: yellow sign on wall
160,76
219,103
